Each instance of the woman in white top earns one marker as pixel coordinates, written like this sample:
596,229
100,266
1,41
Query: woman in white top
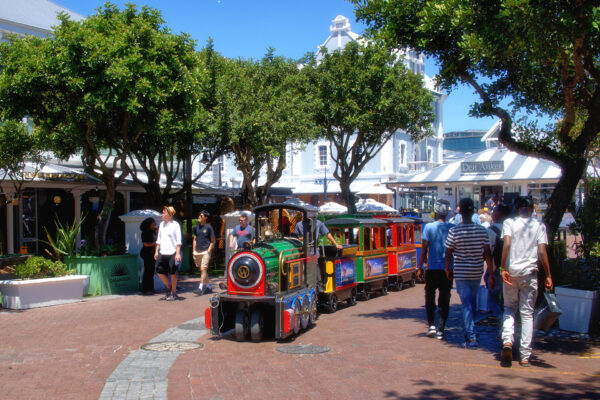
168,251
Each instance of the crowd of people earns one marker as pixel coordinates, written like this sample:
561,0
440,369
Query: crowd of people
509,248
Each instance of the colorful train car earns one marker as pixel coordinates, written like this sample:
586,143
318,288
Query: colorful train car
369,234
402,254
338,272
271,288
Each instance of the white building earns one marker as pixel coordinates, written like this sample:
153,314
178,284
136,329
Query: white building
307,169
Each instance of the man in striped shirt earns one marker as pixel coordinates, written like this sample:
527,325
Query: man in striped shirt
469,245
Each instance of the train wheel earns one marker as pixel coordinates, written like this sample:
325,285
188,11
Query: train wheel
384,288
297,312
241,325
313,310
413,281
333,303
305,317
352,298
257,326
366,293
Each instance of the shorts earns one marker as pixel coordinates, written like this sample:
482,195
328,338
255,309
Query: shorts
165,264
201,259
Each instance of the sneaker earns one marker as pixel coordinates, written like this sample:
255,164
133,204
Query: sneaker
439,335
171,297
525,363
506,354
470,344
431,331
206,290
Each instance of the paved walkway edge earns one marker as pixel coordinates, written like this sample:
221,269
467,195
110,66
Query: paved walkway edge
143,374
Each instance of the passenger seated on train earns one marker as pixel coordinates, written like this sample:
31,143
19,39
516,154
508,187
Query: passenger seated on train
320,230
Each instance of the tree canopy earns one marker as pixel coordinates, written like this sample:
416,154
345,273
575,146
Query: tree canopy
539,56
99,85
262,107
364,94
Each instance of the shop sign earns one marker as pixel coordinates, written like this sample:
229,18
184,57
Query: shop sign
475,167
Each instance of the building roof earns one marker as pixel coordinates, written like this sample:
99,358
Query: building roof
32,16
515,167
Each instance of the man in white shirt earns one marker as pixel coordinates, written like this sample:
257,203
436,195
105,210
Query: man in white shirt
168,251
525,243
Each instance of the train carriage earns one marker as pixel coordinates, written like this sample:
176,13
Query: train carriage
401,252
369,234
338,272
271,288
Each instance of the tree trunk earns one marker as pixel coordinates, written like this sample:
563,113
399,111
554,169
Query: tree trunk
104,217
562,195
348,196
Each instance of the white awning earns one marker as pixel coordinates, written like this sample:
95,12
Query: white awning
514,166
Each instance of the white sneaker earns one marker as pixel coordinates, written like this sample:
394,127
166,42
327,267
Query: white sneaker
431,331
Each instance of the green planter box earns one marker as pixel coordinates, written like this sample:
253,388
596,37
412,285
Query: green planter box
109,274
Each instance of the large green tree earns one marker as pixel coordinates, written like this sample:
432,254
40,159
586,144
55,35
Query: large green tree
159,160
262,107
540,57
97,86
364,94
21,158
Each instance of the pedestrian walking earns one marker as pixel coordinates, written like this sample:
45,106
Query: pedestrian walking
203,245
168,252
433,252
148,228
494,303
525,242
468,246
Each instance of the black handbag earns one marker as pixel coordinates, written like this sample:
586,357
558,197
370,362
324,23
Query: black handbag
547,312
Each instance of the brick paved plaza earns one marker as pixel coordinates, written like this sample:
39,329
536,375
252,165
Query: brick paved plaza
377,350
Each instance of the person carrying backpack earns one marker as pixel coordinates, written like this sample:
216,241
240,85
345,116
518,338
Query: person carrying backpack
494,303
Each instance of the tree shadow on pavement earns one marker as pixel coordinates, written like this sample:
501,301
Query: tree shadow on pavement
586,387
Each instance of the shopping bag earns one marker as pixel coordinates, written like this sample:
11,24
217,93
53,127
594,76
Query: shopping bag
547,312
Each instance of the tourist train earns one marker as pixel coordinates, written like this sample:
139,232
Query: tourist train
277,285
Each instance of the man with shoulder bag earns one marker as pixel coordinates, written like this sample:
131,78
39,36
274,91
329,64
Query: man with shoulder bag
525,242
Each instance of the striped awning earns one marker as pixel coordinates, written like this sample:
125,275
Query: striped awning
489,165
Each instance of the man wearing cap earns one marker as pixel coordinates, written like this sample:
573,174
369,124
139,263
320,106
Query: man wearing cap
432,252
468,245
203,245
525,243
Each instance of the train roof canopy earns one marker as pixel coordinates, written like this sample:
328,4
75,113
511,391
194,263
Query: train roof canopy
356,221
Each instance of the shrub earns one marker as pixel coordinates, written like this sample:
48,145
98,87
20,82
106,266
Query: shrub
40,267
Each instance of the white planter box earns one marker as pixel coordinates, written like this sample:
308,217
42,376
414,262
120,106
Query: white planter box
579,308
20,294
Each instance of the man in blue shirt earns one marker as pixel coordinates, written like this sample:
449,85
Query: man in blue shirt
242,233
433,251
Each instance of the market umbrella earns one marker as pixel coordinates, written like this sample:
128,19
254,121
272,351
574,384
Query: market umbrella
370,205
332,208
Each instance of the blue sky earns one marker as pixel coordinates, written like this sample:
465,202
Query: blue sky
246,28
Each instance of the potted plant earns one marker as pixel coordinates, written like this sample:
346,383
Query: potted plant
111,270
41,282
579,294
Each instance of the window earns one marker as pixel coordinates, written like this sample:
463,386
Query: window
322,156
429,154
402,153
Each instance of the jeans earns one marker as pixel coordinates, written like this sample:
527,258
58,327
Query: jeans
522,294
436,279
467,291
494,304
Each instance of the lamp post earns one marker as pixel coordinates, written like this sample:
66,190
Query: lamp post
324,184
187,185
